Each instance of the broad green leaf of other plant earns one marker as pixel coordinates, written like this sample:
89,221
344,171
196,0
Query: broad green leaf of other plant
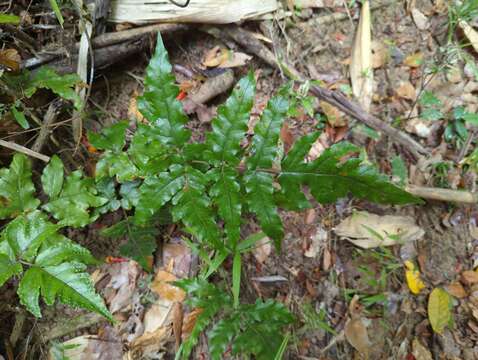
48,264
16,188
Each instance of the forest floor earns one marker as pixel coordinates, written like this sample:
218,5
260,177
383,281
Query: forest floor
318,272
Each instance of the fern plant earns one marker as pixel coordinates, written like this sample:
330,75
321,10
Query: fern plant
31,245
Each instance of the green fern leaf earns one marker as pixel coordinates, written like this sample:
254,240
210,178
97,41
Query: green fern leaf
8,268
52,177
66,281
207,297
25,234
225,193
266,133
78,195
156,191
230,125
141,241
116,165
57,249
16,188
159,104
111,138
222,334
335,174
260,199
193,207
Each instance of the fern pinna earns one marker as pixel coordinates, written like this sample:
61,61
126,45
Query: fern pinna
207,186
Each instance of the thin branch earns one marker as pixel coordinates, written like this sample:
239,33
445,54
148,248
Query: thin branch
12,146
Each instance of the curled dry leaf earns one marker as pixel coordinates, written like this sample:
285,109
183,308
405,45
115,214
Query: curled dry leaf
420,20
224,58
414,281
414,60
469,277
149,344
439,314
189,321
10,59
317,242
361,72
122,284
262,250
355,329
177,323
406,90
420,352
162,286
335,117
457,290
158,315
369,230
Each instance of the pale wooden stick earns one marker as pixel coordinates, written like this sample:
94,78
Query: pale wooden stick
458,196
24,150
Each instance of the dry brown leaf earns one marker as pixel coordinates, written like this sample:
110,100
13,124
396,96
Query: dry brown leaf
149,344
380,54
469,277
470,33
181,256
10,59
214,57
419,127
355,330
335,117
456,289
157,315
235,59
327,260
414,60
420,20
361,72
133,112
420,352
317,242
262,250
177,323
368,230
406,90
162,286
189,321
122,284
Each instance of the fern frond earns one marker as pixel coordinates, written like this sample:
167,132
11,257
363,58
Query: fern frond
159,104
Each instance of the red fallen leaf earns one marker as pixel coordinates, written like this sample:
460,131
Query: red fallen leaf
115,260
182,95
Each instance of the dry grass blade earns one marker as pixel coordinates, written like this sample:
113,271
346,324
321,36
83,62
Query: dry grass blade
361,66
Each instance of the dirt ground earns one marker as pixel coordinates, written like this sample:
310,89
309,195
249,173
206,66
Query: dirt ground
317,269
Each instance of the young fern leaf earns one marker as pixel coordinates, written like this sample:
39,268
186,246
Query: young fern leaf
223,150
159,104
16,188
259,184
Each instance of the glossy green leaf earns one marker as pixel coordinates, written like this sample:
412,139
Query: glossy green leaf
52,177
67,281
337,173
159,104
117,165
62,85
106,188
225,193
20,118
16,188
141,241
79,195
26,233
8,268
260,200
266,133
192,206
111,138
156,191
230,125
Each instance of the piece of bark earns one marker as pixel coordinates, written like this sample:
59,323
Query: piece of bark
209,90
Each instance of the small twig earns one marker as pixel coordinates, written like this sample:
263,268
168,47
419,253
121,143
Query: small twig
448,195
48,119
466,146
24,150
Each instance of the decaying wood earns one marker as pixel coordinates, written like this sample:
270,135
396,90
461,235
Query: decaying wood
102,41
448,195
209,90
337,99
197,11
13,146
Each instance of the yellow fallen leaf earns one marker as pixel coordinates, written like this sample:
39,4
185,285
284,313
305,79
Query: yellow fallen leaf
361,71
414,60
414,282
439,314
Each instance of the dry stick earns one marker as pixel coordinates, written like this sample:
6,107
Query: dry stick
458,196
24,150
48,120
248,41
